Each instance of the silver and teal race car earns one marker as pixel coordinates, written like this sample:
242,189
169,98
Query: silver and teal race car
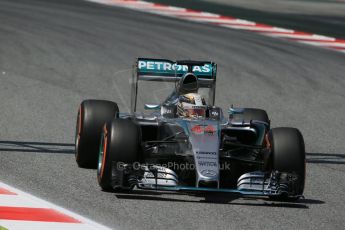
185,143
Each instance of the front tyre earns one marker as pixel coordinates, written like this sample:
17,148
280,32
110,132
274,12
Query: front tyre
92,115
288,154
120,142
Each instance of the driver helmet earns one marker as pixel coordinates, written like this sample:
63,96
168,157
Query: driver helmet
191,105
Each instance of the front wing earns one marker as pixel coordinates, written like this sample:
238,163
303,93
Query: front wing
151,177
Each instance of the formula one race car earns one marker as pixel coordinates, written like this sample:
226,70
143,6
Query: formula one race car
185,142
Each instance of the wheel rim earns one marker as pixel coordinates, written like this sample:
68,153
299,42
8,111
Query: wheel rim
77,133
100,156
102,153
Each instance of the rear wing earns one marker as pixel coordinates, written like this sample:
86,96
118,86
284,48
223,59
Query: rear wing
166,70
149,69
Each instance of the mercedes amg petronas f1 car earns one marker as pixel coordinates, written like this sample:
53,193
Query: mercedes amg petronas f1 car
185,142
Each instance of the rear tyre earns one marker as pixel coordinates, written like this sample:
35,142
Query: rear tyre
120,142
288,154
92,115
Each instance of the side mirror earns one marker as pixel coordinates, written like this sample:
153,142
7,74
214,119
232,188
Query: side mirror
233,110
152,107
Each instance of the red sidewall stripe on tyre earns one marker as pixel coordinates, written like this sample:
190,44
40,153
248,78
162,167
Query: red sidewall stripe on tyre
229,22
105,147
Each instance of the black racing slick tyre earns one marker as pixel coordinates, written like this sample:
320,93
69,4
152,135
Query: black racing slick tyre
120,143
249,114
92,115
288,154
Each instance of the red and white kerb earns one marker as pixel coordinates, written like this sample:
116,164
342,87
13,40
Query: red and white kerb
22,211
229,22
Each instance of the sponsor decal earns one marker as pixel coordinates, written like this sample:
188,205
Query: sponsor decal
209,158
210,130
162,66
197,129
208,163
214,113
167,110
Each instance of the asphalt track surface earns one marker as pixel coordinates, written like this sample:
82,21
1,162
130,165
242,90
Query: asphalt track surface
54,54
